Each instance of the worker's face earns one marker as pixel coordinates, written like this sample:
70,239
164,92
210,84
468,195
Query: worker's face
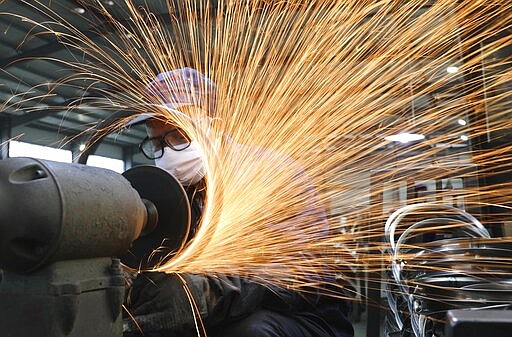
163,134
174,152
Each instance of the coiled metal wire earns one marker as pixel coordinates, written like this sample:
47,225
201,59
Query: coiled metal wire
441,258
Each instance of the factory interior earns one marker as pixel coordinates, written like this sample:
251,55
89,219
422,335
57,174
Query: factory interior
69,131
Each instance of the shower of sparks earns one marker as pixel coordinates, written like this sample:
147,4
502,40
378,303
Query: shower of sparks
307,91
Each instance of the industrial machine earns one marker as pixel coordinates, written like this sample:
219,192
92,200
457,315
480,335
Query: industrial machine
65,228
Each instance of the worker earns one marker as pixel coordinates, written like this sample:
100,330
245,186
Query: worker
228,306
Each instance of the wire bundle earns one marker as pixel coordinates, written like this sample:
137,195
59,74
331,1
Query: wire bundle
442,258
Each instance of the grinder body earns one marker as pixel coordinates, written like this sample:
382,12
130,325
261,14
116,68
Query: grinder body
63,228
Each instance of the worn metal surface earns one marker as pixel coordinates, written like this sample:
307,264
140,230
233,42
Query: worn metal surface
53,211
74,298
60,226
478,323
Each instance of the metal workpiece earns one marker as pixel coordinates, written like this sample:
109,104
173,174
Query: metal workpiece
52,211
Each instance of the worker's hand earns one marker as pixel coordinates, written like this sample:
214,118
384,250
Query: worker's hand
159,301
154,292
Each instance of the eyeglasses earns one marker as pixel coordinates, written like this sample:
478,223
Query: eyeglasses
153,148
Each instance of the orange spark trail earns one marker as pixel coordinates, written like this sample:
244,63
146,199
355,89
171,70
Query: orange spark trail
307,93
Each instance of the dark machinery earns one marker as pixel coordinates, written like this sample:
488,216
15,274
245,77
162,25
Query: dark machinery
64,229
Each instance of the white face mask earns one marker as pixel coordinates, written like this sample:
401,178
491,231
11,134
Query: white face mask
186,165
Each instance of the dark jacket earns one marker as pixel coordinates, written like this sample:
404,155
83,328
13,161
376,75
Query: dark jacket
161,302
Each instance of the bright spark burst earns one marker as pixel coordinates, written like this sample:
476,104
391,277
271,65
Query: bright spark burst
318,85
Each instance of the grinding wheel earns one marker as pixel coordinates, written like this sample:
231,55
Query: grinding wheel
169,236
